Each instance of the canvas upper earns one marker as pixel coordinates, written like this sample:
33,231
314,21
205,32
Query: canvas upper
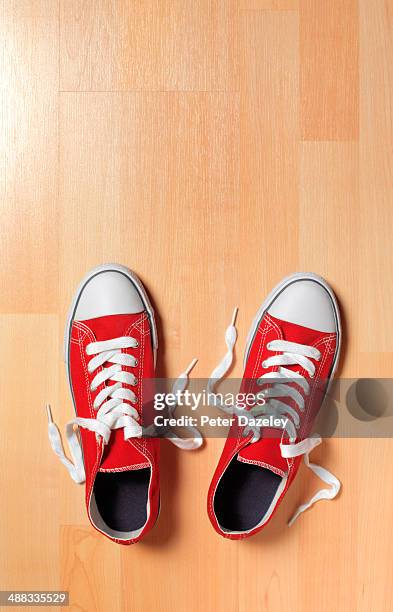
252,476
122,476
110,351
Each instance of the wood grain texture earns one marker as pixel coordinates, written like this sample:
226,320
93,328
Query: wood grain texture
29,483
113,179
375,455
82,550
376,177
269,142
147,45
272,5
329,215
213,147
329,69
28,159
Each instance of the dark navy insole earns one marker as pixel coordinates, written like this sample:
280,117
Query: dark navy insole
244,495
121,498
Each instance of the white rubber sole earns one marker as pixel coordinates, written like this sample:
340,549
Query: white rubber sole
142,293
288,280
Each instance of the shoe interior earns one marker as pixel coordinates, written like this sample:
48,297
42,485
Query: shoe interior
244,496
119,502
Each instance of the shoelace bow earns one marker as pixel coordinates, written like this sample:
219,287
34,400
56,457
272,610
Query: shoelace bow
113,404
291,354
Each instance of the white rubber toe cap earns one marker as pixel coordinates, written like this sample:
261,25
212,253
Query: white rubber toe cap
306,303
108,293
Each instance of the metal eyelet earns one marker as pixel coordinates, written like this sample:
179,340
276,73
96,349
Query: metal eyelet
136,363
136,343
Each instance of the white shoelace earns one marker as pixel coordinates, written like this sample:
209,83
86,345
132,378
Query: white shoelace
291,354
113,405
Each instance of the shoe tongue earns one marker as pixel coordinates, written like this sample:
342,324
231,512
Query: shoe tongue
121,455
266,454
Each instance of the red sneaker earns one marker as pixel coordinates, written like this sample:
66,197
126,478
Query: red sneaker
110,350
291,355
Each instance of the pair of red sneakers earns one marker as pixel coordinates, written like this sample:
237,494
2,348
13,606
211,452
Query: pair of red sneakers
110,350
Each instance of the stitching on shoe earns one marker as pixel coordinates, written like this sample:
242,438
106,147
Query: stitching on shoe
92,414
141,326
142,442
85,371
134,324
264,465
126,467
82,326
327,343
141,362
261,348
266,328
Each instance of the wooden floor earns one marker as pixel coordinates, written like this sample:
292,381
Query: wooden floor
213,147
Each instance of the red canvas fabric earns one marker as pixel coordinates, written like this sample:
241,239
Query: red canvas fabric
266,452
118,454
